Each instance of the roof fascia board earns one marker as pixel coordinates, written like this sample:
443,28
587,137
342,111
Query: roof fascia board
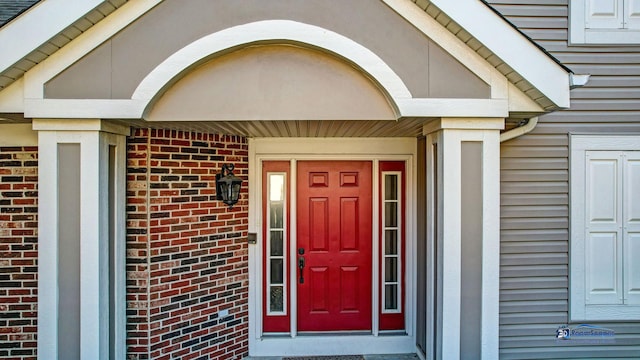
36,77
37,25
511,46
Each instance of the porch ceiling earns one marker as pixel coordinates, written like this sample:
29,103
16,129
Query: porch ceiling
406,127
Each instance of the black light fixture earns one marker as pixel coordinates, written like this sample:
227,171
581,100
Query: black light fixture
228,185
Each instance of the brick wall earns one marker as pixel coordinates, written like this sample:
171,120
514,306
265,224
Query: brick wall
187,262
18,252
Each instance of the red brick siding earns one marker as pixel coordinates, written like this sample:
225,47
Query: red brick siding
18,252
187,252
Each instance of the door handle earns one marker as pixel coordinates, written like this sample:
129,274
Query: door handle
301,267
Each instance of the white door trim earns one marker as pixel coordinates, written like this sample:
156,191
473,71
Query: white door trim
296,149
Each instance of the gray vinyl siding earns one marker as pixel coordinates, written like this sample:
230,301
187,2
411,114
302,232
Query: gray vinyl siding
534,291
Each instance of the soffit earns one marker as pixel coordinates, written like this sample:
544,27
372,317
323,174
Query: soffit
406,127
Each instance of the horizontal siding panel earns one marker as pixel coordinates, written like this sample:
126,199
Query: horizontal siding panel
538,223
535,318
613,105
534,141
526,306
539,23
516,271
605,94
533,175
538,152
527,211
595,127
497,3
524,329
534,234
569,352
533,211
620,69
539,282
534,259
555,35
599,58
532,294
532,164
533,199
533,247
538,10
543,341
535,187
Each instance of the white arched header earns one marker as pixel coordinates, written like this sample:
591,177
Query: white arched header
286,31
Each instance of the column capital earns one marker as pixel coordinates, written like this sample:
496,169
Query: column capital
463,123
80,125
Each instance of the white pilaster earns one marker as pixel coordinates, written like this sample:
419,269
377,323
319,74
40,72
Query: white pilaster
444,167
95,139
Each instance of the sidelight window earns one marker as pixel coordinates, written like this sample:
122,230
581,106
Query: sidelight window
276,300
392,198
391,264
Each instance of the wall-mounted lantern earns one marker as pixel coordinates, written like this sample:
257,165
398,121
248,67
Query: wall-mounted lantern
228,185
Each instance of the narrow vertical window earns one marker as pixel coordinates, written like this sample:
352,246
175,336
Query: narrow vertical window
391,249
392,195
276,302
275,243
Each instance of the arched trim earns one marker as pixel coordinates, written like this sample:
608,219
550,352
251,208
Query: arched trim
269,31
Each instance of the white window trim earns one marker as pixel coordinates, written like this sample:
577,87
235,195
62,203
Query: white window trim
579,310
580,35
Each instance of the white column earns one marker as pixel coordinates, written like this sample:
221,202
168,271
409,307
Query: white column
444,171
97,143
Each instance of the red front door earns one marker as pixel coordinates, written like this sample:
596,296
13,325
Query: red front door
334,241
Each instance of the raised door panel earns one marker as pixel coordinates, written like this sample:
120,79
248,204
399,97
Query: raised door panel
319,224
604,14
632,269
632,14
603,269
603,191
631,227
